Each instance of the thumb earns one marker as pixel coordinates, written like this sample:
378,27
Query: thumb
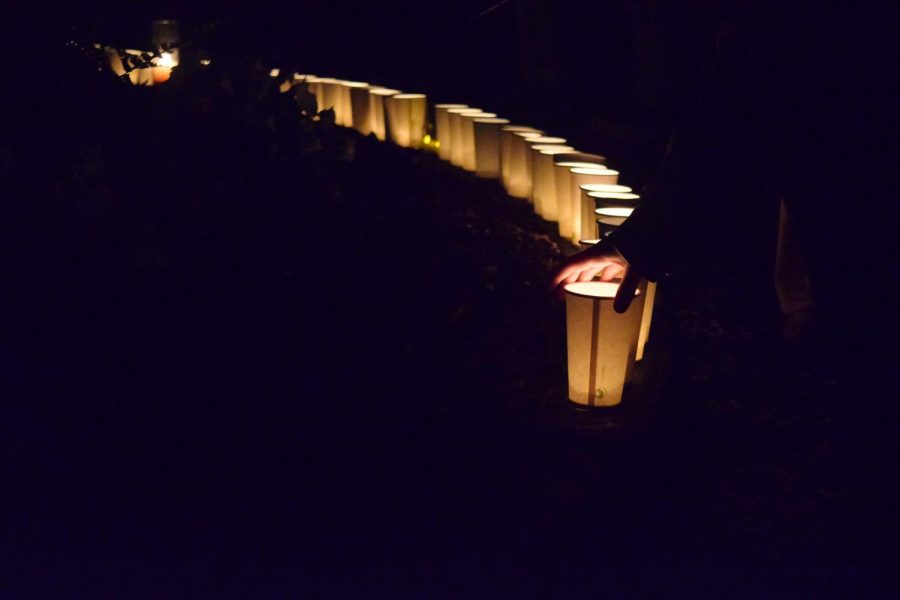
625,295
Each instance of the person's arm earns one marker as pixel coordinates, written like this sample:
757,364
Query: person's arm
699,195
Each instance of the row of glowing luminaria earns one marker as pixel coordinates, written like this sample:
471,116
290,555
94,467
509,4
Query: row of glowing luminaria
574,189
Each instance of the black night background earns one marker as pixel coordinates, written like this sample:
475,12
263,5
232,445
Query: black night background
247,352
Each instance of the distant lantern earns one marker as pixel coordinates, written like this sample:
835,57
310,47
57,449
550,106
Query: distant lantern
506,140
601,343
457,151
541,169
467,126
314,85
345,114
487,146
164,36
356,105
331,95
527,145
517,185
602,195
443,130
162,67
562,163
580,176
407,114
378,110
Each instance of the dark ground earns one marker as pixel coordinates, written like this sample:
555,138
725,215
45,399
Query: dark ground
372,404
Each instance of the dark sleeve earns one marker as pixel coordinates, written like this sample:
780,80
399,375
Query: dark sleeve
709,181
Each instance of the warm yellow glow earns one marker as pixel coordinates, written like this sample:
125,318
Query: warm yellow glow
274,72
606,188
442,128
593,171
163,69
615,211
550,149
487,145
601,343
407,117
613,195
465,122
595,289
166,60
378,110
547,140
579,165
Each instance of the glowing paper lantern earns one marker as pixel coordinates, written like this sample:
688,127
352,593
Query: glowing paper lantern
487,146
579,176
594,196
457,151
378,110
163,67
543,188
601,343
562,177
527,144
443,131
165,33
518,185
331,96
506,140
467,126
357,106
407,113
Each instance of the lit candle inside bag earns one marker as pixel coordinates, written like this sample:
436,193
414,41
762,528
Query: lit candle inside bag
602,195
407,114
163,67
467,126
354,105
526,179
378,110
518,185
443,131
580,176
562,178
331,96
487,146
543,187
506,140
601,343
457,150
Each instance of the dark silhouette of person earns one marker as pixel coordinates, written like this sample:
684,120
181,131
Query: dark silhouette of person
800,108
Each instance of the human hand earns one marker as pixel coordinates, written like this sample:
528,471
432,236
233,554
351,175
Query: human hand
603,260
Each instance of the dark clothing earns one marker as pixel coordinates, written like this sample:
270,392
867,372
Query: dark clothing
801,105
